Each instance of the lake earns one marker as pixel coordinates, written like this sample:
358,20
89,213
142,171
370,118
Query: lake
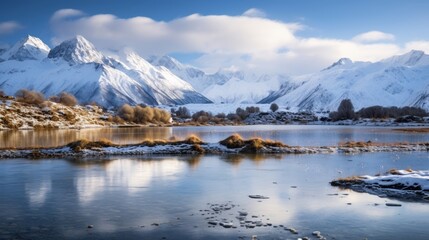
302,135
175,197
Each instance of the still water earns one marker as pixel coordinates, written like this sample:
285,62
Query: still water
303,135
169,197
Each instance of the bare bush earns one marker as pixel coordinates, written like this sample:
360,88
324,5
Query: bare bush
274,107
126,112
344,111
202,116
67,99
30,97
143,114
182,112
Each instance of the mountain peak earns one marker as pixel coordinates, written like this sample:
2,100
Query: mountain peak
340,62
411,58
29,48
77,50
166,61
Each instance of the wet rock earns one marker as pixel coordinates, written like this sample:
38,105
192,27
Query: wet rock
242,213
393,204
90,226
213,222
257,196
155,224
292,230
226,224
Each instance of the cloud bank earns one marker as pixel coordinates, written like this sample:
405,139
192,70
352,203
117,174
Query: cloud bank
9,27
250,41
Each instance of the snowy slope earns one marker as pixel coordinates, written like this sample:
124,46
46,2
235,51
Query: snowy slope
397,81
75,66
29,48
226,85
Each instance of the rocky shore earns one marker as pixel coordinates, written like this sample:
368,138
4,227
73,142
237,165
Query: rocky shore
400,184
193,145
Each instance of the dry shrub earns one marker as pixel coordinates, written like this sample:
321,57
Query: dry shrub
143,114
67,99
126,112
233,141
30,97
165,116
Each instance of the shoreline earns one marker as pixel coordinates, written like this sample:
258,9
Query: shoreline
195,146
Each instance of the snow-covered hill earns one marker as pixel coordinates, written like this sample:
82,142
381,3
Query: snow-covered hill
77,67
226,85
397,81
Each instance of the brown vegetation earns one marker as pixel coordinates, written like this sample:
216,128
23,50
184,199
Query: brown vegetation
249,146
79,145
67,99
352,144
143,115
30,97
347,181
412,130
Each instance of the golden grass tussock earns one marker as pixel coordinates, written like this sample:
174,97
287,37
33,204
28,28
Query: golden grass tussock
86,144
352,144
251,145
394,171
347,181
233,141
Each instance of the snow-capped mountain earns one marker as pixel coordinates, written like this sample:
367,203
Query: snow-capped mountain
77,67
397,81
29,48
226,85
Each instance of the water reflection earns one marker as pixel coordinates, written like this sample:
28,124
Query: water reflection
119,195
301,135
128,175
52,138
38,191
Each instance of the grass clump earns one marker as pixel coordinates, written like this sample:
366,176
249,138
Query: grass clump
347,181
233,141
79,145
352,144
249,146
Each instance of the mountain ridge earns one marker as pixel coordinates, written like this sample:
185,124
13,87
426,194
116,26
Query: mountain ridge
77,67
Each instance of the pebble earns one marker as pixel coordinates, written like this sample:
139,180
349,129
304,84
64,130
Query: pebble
90,226
292,230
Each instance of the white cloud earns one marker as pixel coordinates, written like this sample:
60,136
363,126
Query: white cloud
417,45
256,43
254,12
66,13
9,27
374,36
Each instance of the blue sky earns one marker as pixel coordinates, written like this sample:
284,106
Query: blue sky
320,26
